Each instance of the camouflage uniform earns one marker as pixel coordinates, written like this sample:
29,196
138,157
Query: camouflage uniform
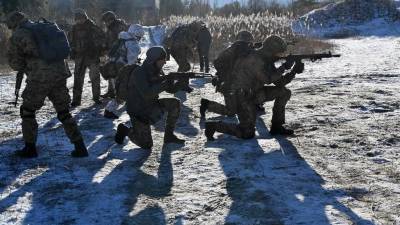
87,42
144,105
203,48
180,45
250,75
224,65
42,80
114,26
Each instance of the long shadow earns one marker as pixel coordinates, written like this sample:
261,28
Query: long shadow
154,187
270,183
54,173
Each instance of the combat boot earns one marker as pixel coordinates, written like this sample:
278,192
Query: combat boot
203,107
29,151
170,137
278,129
97,101
122,132
110,115
210,128
80,150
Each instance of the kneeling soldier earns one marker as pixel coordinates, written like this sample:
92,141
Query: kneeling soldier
144,105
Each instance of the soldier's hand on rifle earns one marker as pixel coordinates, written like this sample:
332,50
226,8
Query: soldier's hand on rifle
298,67
288,64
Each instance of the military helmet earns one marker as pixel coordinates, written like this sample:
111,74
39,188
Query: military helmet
13,19
196,25
108,16
274,44
80,14
244,35
155,53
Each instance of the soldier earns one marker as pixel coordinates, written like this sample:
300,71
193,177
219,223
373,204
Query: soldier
114,27
87,45
43,80
251,74
127,54
224,65
204,39
180,45
144,105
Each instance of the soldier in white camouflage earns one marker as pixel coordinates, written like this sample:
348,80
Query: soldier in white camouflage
43,80
251,75
114,26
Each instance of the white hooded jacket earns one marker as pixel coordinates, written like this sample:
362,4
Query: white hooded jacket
131,43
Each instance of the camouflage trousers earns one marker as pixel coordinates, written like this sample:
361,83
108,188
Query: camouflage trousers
229,109
181,57
34,96
140,132
247,113
79,77
204,60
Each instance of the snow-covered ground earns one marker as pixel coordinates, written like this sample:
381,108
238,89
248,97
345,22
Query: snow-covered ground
341,168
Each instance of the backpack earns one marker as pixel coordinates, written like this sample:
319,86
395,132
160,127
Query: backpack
53,45
118,49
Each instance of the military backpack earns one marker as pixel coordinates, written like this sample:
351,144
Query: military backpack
52,42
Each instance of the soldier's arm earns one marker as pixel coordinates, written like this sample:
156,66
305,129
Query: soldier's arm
132,53
21,45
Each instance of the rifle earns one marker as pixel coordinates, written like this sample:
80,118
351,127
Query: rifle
300,57
18,82
182,75
312,57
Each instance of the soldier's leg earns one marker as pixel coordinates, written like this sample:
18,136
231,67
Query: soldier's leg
33,98
246,127
281,95
201,60
180,57
173,107
79,78
60,98
140,134
94,74
228,109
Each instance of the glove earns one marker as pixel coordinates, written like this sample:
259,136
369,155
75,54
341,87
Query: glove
288,64
215,81
298,67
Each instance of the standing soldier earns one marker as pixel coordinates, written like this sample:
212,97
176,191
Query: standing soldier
180,45
87,44
223,80
44,79
114,26
250,75
144,105
204,39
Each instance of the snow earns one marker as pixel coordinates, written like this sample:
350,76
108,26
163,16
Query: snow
342,167
350,18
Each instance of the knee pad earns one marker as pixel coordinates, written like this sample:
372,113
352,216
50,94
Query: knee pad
27,113
64,115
